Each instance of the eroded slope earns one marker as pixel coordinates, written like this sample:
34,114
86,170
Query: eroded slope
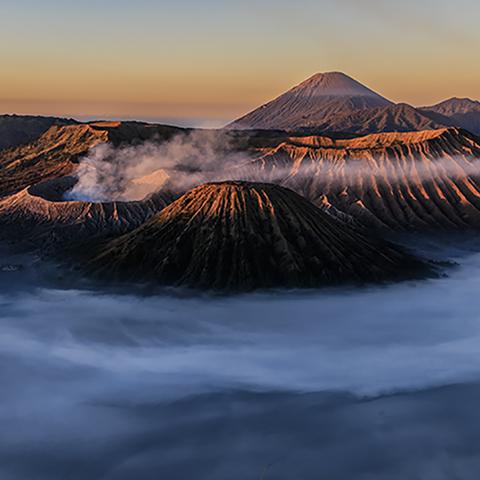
416,180
240,236
56,153
41,216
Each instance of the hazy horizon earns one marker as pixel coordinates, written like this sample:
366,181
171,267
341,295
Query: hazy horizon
209,63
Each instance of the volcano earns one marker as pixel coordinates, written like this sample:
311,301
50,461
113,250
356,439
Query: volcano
312,103
39,216
334,102
239,236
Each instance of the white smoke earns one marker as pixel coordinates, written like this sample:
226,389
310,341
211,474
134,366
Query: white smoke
133,172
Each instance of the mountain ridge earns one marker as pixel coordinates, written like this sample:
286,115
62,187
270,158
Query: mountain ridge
40,216
414,181
461,112
16,130
56,152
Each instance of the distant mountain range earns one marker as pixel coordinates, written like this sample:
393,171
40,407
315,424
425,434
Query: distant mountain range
334,102
460,112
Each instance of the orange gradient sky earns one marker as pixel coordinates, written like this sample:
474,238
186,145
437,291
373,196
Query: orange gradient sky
208,62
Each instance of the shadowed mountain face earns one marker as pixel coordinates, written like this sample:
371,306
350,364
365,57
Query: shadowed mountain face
400,181
57,151
40,216
241,236
461,112
18,130
455,106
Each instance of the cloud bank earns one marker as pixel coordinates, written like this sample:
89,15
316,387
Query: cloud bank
117,387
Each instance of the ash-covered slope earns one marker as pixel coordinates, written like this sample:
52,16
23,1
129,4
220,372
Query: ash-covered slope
56,153
392,118
241,236
40,216
425,180
312,103
461,112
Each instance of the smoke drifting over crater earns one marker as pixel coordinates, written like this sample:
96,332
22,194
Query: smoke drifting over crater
134,172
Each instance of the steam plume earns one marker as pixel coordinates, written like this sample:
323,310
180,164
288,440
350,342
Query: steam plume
133,172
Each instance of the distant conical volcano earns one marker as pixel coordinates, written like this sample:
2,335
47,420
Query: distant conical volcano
335,102
312,103
241,236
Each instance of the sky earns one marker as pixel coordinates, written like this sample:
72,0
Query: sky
207,62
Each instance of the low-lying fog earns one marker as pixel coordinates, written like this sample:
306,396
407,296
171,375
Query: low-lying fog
377,383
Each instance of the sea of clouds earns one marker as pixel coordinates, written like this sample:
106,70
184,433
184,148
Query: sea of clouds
380,381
